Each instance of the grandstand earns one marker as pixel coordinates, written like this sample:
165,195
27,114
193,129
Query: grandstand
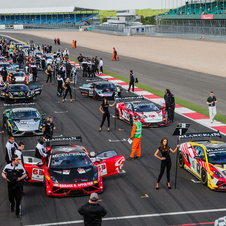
71,16
205,17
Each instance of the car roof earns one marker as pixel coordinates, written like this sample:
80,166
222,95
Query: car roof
23,109
66,149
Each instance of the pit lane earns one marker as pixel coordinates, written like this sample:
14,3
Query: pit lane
130,194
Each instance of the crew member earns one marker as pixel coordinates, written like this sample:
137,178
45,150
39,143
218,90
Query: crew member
67,86
85,68
34,71
43,60
73,44
131,81
101,66
60,83
136,135
80,60
68,69
2,85
170,104
11,146
48,128
104,109
4,74
114,54
14,173
211,101
165,150
40,150
19,153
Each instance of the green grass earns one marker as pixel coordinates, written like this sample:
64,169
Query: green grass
201,110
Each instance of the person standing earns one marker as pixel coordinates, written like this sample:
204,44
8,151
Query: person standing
104,109
92,211
43,60
20,60
136,135
170,104
165,150
60,83
66,51
14,173
10,146
67,86
19,153
80,60
101,63
4,73
40,150
34,71
48,128
211,101
49,71
68,69
73,44
114,54
55,41
84,67
131,81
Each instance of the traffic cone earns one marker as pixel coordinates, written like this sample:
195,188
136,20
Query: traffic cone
203,37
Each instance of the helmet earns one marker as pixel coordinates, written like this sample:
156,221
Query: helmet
92,154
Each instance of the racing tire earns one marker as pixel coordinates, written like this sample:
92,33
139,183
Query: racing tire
116,113
181,160
203,176
131,120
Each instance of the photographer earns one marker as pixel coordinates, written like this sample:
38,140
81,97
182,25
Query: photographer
14,173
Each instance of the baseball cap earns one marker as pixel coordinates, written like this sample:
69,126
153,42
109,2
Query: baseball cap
94,197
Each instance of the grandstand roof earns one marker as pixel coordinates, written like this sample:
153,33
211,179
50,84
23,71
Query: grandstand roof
67,9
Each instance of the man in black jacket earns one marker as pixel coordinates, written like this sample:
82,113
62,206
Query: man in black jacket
170,104
80,60
20,60
92,211
68,69
131,81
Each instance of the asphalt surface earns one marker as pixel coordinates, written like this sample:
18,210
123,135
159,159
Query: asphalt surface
188,85
129,194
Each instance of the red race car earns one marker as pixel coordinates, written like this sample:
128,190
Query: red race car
69,171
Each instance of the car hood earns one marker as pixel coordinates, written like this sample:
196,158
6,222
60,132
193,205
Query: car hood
27,125
19,78
150,116
75,175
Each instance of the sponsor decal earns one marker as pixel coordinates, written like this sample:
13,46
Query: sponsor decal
74,185
81,171
207,17
103,169
37,174
66,172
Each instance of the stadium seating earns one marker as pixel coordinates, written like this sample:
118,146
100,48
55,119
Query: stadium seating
199,9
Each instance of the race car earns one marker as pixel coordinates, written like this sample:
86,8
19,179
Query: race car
20,77
69,171
49,59
8,66
149,114
20,92
205,159
100,89
22,121
2,59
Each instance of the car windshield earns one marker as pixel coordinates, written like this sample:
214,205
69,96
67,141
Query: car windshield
18,88
145,107
5,65
217,156
18,74
2,59
70,160
25,114
105,86
49,57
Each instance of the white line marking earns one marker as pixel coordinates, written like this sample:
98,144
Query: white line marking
136,216
116,140
60,112
2,132
195,181
58,136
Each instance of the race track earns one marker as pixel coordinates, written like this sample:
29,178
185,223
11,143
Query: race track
131,195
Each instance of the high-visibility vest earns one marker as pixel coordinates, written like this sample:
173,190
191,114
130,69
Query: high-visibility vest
138,129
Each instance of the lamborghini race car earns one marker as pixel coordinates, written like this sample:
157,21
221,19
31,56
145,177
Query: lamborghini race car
149,114
69,171
8,66
100,89
20,92
20,77
205,159
22,121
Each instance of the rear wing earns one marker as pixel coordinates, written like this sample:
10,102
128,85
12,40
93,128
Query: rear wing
19,104
62,139
198,135
123,99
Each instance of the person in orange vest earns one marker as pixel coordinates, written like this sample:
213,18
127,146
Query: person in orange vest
136,135
73,44
114,54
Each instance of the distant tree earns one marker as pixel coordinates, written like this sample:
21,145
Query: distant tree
104,20
142,19
149,20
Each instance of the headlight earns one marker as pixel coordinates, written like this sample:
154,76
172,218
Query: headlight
217,174
95,176
54,180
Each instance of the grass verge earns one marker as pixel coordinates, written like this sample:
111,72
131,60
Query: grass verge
201,110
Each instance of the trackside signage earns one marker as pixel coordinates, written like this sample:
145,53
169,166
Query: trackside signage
2,26
207,17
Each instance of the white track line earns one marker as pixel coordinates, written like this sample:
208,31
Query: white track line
136,217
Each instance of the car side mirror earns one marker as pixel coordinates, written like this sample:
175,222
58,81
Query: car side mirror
39,164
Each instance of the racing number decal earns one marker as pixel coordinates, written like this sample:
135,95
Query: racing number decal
37,174
119,164
103,169
125,115
90,92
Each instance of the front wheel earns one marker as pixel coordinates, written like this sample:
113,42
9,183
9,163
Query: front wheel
203,176
181,160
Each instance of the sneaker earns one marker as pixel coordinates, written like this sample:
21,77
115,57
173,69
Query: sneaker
138,158
18,216
130,159
12,209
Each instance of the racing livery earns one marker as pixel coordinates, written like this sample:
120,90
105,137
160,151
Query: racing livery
100,89
21,121
20,77
20,92
205,159
149,114
69,171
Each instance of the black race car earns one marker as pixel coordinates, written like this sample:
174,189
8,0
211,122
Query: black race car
99,90
20,92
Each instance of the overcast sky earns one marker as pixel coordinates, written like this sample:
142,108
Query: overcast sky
95,4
